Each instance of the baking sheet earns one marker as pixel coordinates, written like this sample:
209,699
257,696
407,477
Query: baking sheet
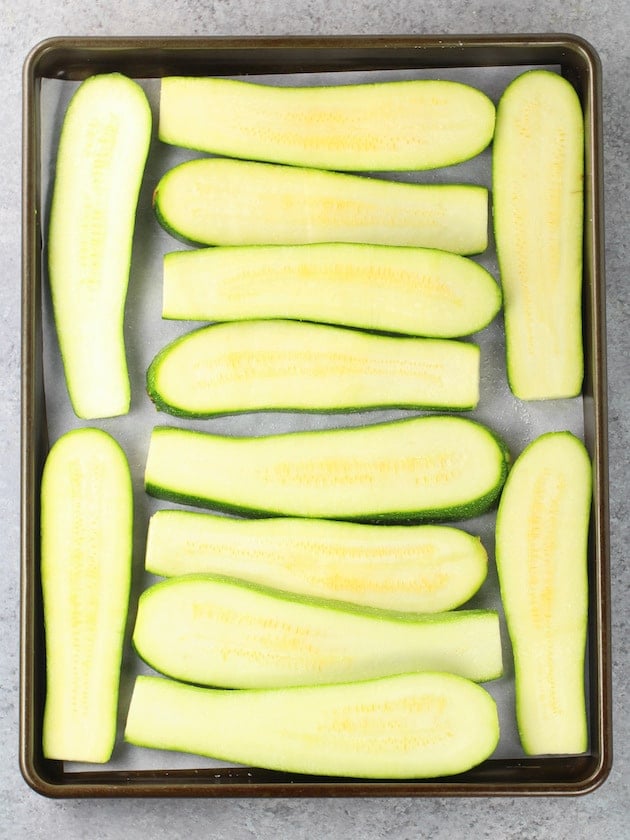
146,333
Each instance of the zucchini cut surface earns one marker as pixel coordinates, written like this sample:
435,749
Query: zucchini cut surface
100,163
409,726
220,631
538,164
86,547
418,469
541,551
417,124
418,291
216,201
284,365
424,568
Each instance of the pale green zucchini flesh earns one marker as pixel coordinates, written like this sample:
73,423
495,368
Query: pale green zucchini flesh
416,124
100,163
541,552
216,201
418,291
287,365
86,546
424,468
538,218
408,726
422,568
221,631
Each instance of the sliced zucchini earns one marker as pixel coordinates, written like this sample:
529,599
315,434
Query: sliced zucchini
538,219
423,568
416,124
221,631
86,548
424,468
418,291
541,551
215,201
284,365
408,726
100,163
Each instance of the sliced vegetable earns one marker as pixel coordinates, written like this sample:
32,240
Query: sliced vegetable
541,549
412,470
86,546
221,631
408,726
102,153
216,201
423,568
416,124
538,218
283,365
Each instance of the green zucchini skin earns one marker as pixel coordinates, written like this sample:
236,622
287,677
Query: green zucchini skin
407,726
401,125
541,554
218,201
413,291
86,555
290,366
191,467
102,153
236,634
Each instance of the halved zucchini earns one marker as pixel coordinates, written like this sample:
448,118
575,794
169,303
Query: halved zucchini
435,467
541,551
221,631
418,291
286,365
416,124
538,220
215,201
408,726
423,568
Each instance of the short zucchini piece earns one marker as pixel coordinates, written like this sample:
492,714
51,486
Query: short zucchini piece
538,219
221,631
415,124
418,291
287,365
424,468
541,551
102,153
422,568
86,548
216,201
408,726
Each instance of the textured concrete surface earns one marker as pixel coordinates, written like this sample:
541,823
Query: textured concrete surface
602,814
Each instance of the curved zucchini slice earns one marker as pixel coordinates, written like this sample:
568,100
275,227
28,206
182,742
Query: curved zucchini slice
102,153
221,631
86,547
286,365
418,291
215,201
425,468
423,568
416,124
408,726
541,550
538,219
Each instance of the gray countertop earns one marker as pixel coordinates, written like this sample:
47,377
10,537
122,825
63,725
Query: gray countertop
601,814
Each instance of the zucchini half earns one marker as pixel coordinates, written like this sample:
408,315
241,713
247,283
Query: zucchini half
408,726
287,365
221,631
416,124
216,201
423,468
